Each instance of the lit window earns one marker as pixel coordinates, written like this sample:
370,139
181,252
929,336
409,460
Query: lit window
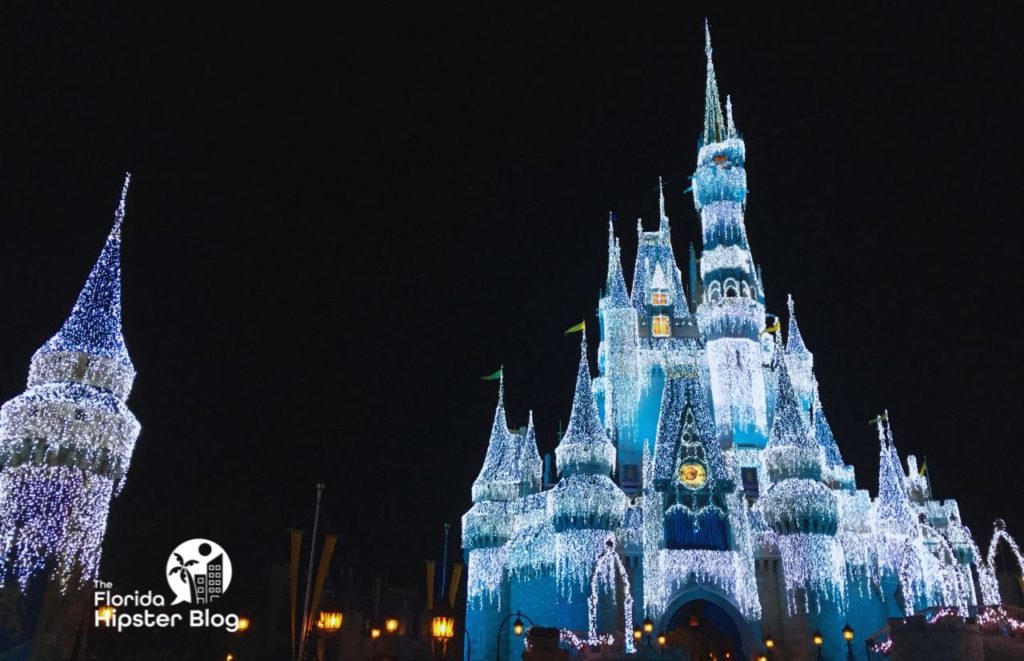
660,326
659,298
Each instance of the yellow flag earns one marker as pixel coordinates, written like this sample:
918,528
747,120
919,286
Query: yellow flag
924,468
577,328
774,328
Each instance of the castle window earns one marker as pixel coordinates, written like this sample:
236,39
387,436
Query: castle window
659,298
660,326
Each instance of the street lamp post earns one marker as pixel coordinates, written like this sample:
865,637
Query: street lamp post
818,642
648,629
327,624
517,628
442,627
848,637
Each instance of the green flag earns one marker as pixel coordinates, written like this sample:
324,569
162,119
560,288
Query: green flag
577,328
493,377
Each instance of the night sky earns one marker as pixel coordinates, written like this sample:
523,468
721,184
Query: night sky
337,224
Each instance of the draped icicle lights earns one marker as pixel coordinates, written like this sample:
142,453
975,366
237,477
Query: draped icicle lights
66,442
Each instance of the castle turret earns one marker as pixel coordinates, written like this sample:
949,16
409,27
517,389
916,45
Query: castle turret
67,441
488,524
798,506
511,469
586,505
618,388
731,312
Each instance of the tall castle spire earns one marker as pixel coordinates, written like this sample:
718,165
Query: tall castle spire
714,126
663,224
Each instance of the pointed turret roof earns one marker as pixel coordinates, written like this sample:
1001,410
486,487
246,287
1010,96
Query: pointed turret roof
531,465
714,128
585,447
789,425
894,508
794,341
498,472
94,325
823,435
616,294
663,217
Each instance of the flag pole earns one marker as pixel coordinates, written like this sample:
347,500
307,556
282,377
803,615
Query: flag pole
928,477
309,574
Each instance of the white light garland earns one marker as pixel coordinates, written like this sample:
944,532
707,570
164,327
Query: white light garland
603,581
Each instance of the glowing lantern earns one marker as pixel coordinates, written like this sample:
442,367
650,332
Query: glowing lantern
329,621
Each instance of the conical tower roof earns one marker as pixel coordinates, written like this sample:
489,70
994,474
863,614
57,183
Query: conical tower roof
894,509
616,296
794,341
94,325
497,479
714,126
789,426
530,463
823,435
585,447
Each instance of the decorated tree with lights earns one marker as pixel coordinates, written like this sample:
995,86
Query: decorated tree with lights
66,442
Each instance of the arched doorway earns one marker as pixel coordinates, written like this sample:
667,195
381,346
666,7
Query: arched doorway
706,626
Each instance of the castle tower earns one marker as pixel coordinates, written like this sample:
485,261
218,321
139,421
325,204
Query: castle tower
666,333
486,527
66,442
586,506
803,512
731,312
618,389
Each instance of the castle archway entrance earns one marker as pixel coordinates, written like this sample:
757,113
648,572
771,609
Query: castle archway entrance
707,626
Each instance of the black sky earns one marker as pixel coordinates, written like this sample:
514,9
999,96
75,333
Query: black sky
338,223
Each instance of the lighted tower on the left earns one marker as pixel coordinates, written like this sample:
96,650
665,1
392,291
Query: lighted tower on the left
66,442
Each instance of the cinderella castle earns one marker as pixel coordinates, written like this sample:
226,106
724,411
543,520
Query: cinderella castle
699,497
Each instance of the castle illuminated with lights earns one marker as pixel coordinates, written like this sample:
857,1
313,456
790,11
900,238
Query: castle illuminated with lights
699,487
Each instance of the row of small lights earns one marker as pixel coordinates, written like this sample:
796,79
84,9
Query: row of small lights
816,637
648,627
